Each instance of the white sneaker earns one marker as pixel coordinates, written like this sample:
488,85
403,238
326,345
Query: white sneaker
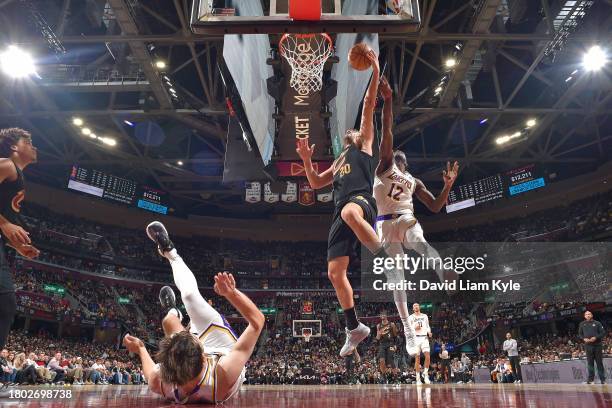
418,380
426,378
353,338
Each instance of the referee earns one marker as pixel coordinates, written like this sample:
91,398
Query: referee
593,332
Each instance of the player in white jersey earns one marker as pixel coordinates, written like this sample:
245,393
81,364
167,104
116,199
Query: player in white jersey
419,322
206,362
396,225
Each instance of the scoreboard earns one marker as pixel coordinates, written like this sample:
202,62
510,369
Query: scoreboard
524,179
477,192
512,182
117,189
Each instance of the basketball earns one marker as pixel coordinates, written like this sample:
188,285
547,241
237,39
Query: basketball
358,57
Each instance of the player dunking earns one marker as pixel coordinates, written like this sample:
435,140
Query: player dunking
393,189
419,322
352,175
204,364
16,152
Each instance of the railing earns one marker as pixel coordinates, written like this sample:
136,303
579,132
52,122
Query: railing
84,75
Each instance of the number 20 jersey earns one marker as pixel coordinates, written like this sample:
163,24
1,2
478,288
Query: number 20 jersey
393,192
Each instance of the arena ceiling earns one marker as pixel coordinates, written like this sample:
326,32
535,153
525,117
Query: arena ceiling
96,61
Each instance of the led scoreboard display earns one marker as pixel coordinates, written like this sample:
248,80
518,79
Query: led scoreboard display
524,179
117,189
477,192
512,182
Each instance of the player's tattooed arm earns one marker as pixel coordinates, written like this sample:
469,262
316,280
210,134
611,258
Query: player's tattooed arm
435,204
369,104
135,345
231,366
386,143
305,151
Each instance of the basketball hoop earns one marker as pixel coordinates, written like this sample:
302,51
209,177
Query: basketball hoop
306,54
307,333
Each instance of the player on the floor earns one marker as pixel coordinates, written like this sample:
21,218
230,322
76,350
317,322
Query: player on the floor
419,322
16,153
205,364
386,334
352,175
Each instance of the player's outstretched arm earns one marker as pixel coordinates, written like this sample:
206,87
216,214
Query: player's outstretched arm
369,104
316,180
231,365
386,143
135,345
435,204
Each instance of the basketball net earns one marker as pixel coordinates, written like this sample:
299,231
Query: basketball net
306,54
307,337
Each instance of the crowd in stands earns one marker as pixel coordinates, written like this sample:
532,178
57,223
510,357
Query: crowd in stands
39,359
78,247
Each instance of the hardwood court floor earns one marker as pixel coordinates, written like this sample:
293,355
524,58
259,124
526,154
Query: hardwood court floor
363,396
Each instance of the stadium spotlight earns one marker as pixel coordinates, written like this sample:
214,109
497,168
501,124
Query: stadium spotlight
438,90
17,63
77,121
180,162
109,141
531,123
86,131
450,62
502,139
594,59
93,136
160,64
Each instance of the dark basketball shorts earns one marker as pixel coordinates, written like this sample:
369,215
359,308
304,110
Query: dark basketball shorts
385,353
342,241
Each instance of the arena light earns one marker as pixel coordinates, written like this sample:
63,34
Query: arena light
594,59
108,141
77,122
86,131
180,162
93,136
127,122
17,63
502,139
438,90
160,64
450,63
531,123
484,120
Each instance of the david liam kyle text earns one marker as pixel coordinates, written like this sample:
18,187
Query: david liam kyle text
461,285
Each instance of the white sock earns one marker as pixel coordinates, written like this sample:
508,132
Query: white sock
425,371
172,255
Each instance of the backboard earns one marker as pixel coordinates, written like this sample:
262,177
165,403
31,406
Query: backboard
213,17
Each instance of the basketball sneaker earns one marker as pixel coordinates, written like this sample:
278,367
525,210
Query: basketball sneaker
158,234
426,376
418,379
167,298
353,338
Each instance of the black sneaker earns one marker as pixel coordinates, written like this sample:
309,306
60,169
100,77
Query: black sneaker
158,234
603,382
167,298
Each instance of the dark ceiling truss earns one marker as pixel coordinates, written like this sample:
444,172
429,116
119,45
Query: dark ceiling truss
410,55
